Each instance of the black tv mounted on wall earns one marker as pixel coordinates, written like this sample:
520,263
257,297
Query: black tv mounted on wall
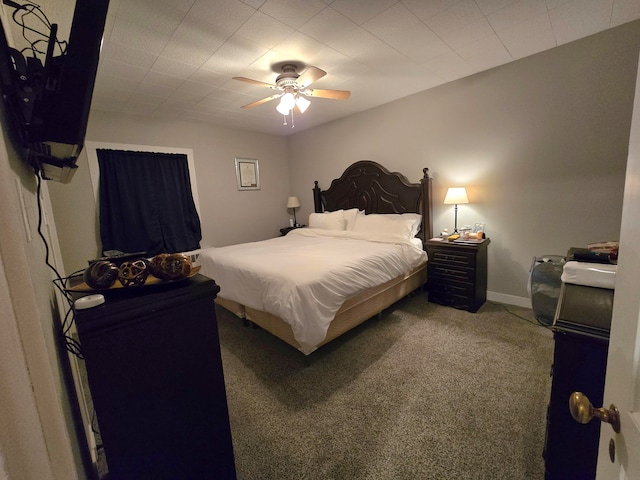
48,99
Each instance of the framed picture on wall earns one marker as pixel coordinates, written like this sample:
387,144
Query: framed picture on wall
247,174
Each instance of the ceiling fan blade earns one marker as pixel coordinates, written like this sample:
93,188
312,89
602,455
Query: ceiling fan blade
260,102
335,94
255,82
309,76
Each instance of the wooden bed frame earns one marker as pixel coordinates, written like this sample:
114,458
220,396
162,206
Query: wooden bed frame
370,187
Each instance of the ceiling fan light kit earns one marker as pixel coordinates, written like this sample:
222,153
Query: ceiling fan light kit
292,88
302,103
283,109
287,101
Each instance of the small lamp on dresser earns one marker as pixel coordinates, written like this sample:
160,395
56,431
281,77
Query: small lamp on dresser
293,203
455,196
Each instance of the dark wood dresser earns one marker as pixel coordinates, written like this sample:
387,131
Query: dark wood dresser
579,365
457,273
581,329
155,374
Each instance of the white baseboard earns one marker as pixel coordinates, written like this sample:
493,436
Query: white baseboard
509,299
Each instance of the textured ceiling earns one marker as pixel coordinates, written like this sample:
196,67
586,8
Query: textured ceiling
176,58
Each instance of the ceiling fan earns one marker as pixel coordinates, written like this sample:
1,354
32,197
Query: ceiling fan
293,88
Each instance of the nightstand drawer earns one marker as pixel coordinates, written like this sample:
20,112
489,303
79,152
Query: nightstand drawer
445,272
452,258
452,294
450,288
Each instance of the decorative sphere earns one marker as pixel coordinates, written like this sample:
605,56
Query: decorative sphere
100,275
155,266
133,273
176,266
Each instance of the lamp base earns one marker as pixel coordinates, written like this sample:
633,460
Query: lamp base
455,224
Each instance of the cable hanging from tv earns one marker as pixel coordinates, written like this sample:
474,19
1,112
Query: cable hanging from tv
30,13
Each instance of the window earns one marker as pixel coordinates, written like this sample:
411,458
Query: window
146,203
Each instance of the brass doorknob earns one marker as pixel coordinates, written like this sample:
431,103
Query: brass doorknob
582,411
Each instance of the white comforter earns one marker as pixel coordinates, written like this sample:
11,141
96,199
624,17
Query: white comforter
305,276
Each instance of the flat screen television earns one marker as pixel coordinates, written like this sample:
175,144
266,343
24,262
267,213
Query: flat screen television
49,98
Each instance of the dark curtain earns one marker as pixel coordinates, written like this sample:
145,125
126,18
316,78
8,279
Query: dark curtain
146,203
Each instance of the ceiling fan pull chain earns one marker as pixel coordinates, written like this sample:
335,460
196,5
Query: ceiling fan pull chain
293,125
284,119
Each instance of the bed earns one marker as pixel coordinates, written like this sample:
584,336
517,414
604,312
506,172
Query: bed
373,204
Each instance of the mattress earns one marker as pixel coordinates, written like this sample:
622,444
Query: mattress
599,275
305,277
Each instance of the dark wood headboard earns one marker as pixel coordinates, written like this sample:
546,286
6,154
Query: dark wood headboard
369,186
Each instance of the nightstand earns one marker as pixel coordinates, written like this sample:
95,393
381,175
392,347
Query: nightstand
284,231
457,273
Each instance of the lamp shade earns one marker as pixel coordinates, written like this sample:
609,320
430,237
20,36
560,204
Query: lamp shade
293,202
456,196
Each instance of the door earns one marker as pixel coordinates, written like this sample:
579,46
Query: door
622,386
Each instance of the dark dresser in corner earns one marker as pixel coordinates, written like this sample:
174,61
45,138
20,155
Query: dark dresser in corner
581,329
155,374
457,273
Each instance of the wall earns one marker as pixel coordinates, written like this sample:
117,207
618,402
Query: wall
540,144
228,216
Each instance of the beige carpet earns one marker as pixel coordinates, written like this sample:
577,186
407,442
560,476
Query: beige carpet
423,392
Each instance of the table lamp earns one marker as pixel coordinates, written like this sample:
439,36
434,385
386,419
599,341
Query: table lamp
455,196
293,203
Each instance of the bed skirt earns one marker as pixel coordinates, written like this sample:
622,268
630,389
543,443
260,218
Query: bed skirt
354,311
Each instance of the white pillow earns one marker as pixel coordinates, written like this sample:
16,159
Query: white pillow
384,225
350,217
415,218
327,220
